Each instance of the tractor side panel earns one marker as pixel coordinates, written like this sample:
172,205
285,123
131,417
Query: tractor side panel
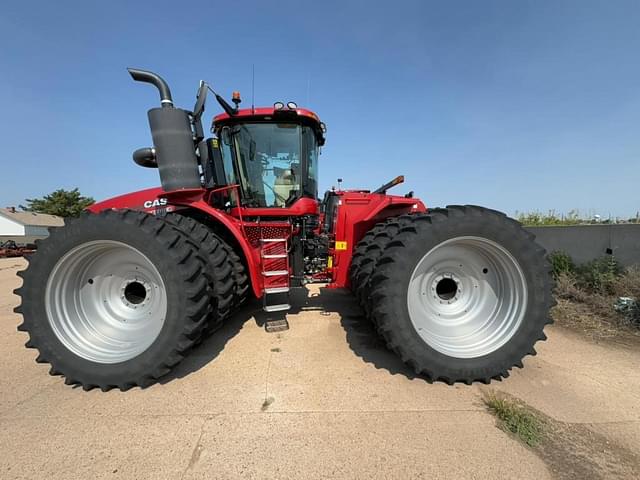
358,212
149,200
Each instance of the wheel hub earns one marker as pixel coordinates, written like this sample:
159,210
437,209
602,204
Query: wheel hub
446,288
135,293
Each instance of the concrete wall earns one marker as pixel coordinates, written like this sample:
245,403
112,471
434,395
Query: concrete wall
586,242
36,231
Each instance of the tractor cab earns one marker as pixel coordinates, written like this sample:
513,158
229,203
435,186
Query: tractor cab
270,153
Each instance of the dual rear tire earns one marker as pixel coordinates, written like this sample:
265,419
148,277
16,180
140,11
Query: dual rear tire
461,294
117,299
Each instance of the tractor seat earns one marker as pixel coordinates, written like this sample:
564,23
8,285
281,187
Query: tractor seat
284,183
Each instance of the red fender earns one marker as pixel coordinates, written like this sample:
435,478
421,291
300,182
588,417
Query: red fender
233,225
358,212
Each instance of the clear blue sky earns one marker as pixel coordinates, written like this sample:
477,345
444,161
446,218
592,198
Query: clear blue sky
516,105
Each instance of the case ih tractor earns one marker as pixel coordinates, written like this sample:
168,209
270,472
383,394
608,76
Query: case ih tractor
117,297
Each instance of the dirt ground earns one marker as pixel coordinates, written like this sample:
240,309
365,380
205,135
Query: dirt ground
321,400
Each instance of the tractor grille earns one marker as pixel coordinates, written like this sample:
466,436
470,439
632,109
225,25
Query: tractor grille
257,232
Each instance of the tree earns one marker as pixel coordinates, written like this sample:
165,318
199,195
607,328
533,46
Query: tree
64,203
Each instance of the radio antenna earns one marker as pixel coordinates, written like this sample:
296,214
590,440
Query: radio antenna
253,88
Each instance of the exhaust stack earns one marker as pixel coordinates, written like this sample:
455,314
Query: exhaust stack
172,137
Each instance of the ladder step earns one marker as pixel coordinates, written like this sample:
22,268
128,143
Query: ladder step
278,325
276,290
270,240
279,255
277,308
275,273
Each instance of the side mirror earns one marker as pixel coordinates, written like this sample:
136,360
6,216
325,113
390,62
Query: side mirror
201,98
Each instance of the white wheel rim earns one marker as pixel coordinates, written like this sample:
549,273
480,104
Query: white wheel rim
467,297
105,301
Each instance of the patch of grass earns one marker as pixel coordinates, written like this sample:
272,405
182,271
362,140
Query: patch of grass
587,296
585,319
567,288
517,418
628,284
599,275
539,219
574,217
561,263
570,450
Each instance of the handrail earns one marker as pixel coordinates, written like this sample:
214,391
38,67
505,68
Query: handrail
235,188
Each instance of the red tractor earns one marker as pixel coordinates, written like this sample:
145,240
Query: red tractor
117,297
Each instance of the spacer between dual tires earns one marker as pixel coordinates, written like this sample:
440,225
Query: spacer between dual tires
389,287
178,262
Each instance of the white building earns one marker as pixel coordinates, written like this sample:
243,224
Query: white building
25,227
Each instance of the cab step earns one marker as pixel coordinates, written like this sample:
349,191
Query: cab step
276,290
280,307
275,273
279,325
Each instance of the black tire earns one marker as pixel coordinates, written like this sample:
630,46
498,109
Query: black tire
219,271
239,270
181,268
390,287
383,233
359,255
240,277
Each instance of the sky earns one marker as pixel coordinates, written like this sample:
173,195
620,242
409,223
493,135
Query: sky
514,105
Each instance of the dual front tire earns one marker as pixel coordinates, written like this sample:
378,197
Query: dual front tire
461,294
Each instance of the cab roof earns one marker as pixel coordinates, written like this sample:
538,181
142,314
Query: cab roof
261,114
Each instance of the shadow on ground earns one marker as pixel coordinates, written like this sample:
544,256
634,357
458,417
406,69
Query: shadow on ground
211,347
360,334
